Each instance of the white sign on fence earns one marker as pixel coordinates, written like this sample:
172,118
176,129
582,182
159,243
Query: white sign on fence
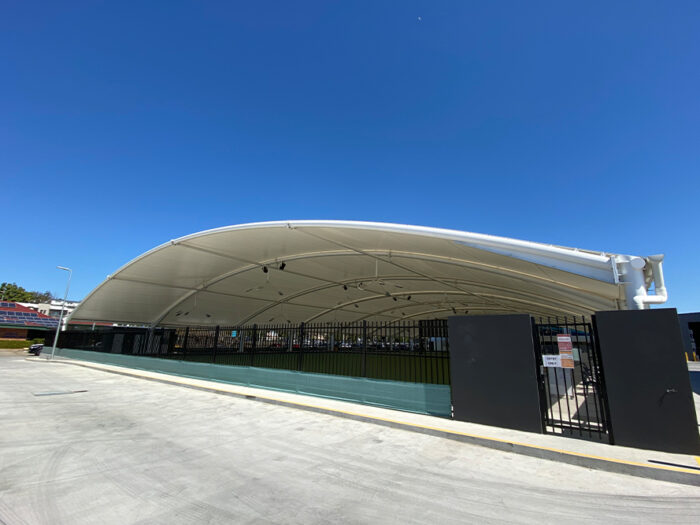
566,351
551,361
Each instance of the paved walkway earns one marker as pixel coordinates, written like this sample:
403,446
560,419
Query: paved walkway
125,450
656,465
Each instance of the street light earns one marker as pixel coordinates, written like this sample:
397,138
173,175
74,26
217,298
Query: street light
60,317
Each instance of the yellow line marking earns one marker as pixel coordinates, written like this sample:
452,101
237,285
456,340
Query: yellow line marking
439,429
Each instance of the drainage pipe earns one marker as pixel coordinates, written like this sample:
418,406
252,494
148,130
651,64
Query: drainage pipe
660,294
631,271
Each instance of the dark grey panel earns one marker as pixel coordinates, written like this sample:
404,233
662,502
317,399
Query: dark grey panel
493,371
646,377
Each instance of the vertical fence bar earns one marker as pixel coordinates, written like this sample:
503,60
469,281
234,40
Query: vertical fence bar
541,373
184,344
254,345
300,357
581,354
364,348
600,383
593,375
216,344
172,336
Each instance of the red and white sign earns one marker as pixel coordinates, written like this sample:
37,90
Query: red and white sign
566,351
564,343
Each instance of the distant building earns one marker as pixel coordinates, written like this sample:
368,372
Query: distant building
20,322
31,320
53,309
690,331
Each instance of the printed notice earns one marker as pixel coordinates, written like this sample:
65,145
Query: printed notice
551,361
566,351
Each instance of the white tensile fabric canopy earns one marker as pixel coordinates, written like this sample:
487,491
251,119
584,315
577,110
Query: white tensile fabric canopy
327,271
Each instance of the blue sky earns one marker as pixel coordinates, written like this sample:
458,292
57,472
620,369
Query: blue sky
126,124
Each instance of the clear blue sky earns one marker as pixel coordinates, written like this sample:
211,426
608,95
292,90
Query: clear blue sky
125,124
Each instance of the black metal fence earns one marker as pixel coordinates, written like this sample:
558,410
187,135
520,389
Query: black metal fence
572,394
414,351
573,400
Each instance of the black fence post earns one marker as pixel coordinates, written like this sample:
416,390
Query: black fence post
254,345
146,342
216,344
184,344
364,348
541,374
172,339
300,359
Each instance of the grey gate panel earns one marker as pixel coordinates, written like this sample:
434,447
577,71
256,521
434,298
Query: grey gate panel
493,371
646,377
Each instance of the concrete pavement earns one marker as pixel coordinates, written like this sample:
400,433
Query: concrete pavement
135,451
681,468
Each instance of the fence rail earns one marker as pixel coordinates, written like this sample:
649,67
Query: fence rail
414,351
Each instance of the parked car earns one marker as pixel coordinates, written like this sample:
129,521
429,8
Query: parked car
36,348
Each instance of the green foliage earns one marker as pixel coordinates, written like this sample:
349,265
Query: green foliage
12,292
19,343
13,344
44,297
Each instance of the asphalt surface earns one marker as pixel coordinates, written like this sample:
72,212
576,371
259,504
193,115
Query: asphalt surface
134,451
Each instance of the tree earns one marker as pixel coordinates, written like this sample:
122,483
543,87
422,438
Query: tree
12,292
45,297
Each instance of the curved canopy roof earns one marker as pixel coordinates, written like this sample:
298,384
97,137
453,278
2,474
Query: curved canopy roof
324,271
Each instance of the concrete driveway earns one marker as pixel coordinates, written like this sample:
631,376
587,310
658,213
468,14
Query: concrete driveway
136,451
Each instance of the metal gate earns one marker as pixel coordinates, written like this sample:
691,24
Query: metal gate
572,389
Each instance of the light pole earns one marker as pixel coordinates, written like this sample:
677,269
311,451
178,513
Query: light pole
60,317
